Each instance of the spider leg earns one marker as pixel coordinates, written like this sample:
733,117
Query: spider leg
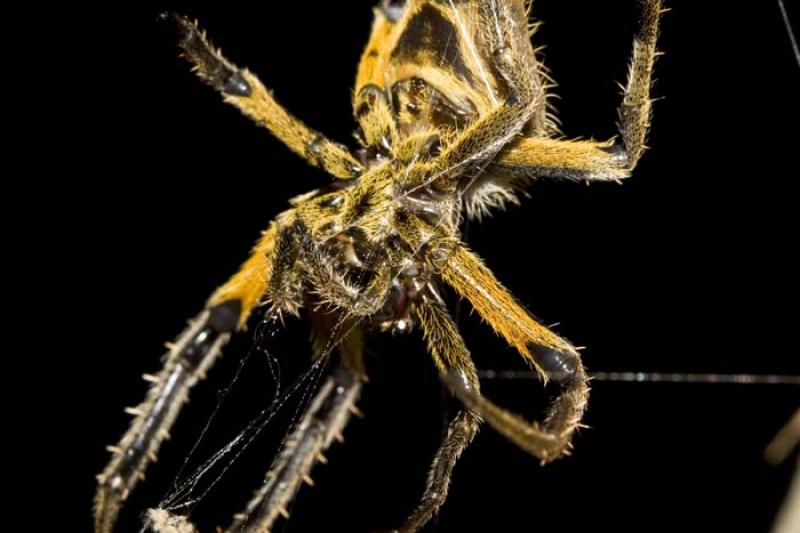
591,160
242,89
189,358
193,353
449,355
323,422
552,356
486,136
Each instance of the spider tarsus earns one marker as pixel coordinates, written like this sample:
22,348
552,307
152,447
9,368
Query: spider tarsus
209,64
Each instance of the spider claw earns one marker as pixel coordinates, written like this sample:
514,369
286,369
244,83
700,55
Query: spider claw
308,481
283,512
321,458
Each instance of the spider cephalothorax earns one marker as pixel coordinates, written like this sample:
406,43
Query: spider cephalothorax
451,102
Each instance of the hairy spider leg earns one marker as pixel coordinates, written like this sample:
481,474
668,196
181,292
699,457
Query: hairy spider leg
242,89
187,362
449,355
592,160
323,422
552,356
487,135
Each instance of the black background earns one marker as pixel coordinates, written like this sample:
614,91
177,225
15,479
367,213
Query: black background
687,267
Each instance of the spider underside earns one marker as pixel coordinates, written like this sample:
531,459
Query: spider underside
451,103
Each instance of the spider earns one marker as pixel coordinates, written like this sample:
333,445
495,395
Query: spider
452,106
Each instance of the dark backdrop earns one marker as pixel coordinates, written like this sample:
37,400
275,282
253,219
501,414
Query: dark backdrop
687,267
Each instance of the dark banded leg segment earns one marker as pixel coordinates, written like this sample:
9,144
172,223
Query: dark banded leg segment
189,359
322,423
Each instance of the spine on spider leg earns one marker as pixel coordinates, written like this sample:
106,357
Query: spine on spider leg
187,362
322,423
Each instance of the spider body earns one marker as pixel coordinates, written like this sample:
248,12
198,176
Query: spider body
451,103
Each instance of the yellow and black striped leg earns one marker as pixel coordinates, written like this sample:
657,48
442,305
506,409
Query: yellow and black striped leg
449,355
187,362
189,359
591,160
244,90
553,357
